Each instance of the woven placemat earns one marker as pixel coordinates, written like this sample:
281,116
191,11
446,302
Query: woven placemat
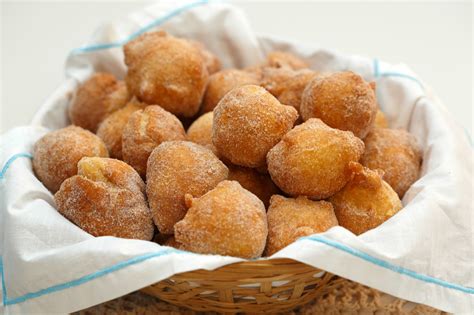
347,298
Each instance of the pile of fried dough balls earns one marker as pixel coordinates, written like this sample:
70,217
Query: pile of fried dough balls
238,162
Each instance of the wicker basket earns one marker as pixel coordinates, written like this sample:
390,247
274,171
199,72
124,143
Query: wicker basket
261,286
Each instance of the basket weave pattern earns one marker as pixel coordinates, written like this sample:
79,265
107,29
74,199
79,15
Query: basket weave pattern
262,286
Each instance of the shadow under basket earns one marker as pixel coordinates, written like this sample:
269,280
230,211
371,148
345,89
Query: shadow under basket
260,286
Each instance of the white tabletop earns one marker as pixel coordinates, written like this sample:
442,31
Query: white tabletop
434,39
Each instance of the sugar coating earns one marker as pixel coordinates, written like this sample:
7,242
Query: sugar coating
111,129
292,218
212,62
221,83
280,59
106,198
397,153
144,131
56,154
248,122
312,159
287,85
97,98
228,220
200,131
366,201
260,185
176,168
342,100
167,71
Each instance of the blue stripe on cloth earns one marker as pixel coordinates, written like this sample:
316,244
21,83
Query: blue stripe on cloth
82,280
11,160
378,74
4,287
387,265
155,23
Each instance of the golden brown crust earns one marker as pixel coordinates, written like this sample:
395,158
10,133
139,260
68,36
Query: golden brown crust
342,100
97,98
228,220
144,131
313,158
287,85
292,218
106,198
167,71
260,185
56,154
365,202
248,122
176,168
397,153
111,129
221,83
280,59
200,131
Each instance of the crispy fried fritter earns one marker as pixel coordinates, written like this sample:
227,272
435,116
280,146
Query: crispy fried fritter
111,129
292,218
248,122
106,198
343,100
397,153
287,85
221,83
167,71
97,98
228,220
176,168
200,131
366,201
313,158
144,131
56,154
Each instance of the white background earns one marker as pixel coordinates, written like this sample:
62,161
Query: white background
433,38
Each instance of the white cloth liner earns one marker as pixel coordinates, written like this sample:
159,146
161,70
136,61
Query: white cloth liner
424,254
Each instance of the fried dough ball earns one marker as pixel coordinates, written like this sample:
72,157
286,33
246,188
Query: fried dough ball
287,85
200,131
258,184
97,98
312,159
227,220
248,122
56,154
292,218
397,153
221,83
111,129
343,100
280,59
106,198
366,201
380,120
144,131
213,64
176,168
166,70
